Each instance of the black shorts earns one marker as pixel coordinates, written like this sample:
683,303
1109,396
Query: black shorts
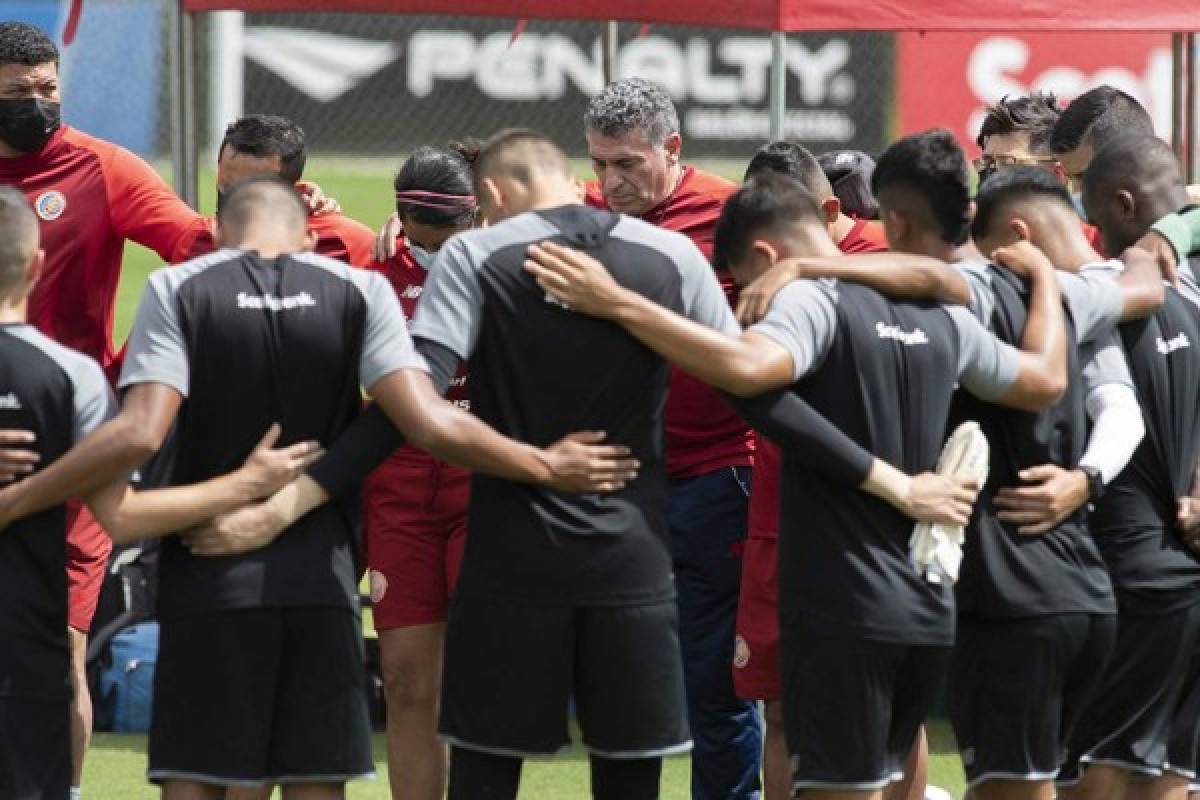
1018,687
1141,706
261,695
35,749
511,671
852,708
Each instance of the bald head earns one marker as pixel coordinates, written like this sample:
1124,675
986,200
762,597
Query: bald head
264,208
18,242
1131,182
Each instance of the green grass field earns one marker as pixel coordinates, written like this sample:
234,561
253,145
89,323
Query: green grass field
116,769
116,764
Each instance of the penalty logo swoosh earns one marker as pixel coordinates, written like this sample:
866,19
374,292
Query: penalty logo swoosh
323,66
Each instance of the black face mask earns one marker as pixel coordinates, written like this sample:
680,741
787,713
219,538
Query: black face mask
27,123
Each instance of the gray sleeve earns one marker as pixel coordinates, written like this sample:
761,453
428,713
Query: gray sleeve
156,352
443,362
987,367
386,343
1103,363
95,402
451,303
1189,287
704,300
803,320
1095,300
979,280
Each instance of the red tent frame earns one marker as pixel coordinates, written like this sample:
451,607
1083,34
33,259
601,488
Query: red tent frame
777,16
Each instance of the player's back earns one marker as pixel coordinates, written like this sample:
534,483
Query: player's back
540,371
249,342
57,394
887,382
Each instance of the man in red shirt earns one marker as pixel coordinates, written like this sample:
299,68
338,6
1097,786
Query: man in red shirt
259,144
89,196
633,139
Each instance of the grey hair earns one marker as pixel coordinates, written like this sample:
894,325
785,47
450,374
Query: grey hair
633,104
18,237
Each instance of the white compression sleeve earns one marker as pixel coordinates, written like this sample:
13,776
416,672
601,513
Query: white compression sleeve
1117,429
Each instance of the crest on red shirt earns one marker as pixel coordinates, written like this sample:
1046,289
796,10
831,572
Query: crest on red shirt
50,205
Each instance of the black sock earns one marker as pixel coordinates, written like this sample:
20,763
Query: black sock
482,776
625,779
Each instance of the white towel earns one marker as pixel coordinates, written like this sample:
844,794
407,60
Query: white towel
935,550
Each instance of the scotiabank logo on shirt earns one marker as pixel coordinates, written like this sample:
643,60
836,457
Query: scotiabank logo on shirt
269,302
896,333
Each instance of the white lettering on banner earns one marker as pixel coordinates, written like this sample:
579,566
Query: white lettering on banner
10,402
544,66
995,63
270,302
411,292
906,338
1168,346
739,123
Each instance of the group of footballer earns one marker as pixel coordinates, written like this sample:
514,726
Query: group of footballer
646,453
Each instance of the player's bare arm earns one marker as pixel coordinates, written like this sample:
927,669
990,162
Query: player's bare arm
1042,377
580,462
748,365
16,456
128,515
115,450
898,275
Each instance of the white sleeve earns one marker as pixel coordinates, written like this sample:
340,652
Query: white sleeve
1117,429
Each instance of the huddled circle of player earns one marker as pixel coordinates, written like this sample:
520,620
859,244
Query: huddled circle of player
677,459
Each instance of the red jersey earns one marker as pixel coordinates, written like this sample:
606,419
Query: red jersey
866,236
90,196
343,238
702,432
763,517
408,279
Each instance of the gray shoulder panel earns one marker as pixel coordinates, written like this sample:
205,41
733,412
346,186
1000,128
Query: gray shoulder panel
94,401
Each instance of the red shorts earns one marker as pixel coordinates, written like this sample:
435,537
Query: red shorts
756,652
88,549
416,526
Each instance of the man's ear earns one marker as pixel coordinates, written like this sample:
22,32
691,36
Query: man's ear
1127,204
971,209
831,207
896,224
1060,174
1020,229
674,147
310,240
33,270
493,194
760,249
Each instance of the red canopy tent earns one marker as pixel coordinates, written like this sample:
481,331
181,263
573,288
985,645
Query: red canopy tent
778,16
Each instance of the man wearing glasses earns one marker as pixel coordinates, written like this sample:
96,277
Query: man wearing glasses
1016,132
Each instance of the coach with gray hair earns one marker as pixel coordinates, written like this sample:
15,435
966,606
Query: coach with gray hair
634,141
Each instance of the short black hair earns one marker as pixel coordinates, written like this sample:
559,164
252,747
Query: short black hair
1012,186
1035,114
1135,160
768,202
788,158
932,165
1097,117
260,197
442,172
264,135
22,43
518,151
